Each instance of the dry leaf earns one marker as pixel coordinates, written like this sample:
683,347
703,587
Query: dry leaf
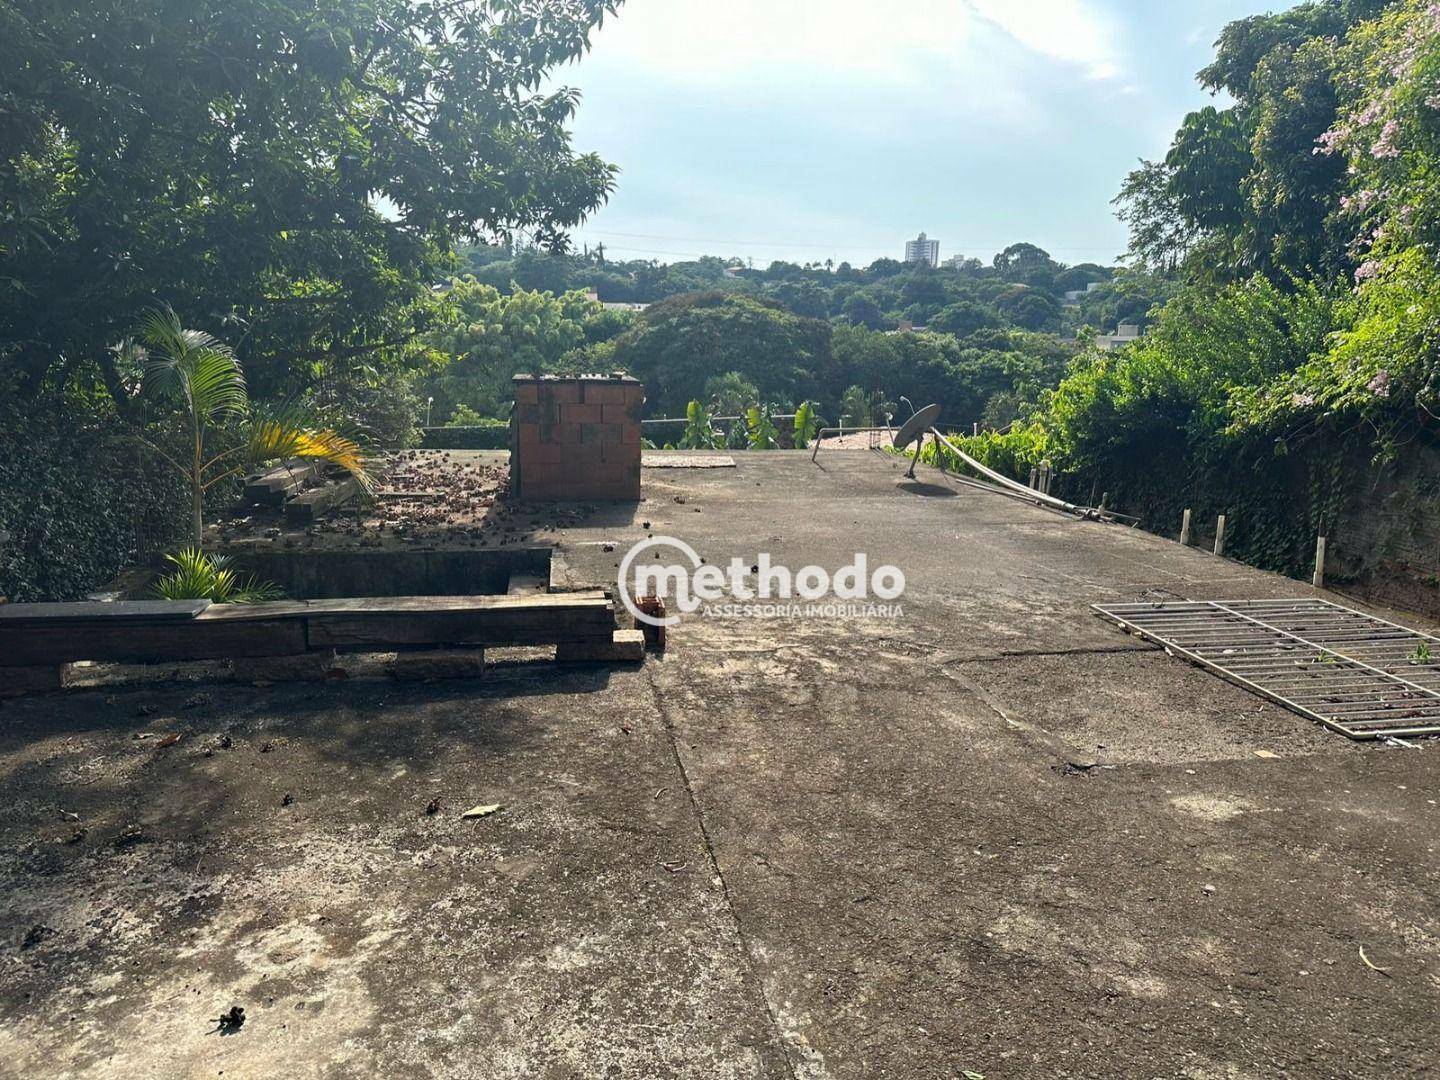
482,811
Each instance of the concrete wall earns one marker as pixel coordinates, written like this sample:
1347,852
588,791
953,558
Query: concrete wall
311,574
1386,547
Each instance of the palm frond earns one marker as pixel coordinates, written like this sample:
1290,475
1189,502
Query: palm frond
217,385
284,433
191,365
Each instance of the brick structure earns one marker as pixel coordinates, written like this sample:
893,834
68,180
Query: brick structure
576,438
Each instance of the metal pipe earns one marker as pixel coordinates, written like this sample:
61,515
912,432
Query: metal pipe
1012,485
715,419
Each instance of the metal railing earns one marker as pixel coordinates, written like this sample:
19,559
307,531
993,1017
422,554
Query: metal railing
843,430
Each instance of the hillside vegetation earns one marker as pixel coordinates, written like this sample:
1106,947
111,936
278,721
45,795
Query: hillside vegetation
1296,370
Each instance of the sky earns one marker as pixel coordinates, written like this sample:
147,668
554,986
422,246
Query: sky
808,130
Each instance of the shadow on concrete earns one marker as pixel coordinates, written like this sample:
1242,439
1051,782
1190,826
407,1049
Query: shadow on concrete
928,491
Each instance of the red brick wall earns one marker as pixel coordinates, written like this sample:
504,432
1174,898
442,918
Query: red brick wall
576,438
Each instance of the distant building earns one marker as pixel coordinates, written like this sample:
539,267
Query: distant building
905,326
594,297
1125,334
1073,296
923,250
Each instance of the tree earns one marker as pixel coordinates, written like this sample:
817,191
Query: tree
1028,308
730,394
861,310
295,173
1161,235
963,318
487,338
1026,264
679,344
855,408
202,376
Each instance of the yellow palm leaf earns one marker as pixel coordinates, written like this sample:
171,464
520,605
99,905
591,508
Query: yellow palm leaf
284,435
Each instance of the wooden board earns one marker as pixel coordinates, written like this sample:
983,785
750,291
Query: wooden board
272,487
90,610
397,605
682,461
285,628
517,625
31,680
116,641
310,506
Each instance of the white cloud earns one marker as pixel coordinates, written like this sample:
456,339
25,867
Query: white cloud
1070,31
703,40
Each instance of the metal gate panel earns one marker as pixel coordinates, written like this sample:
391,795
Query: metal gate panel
1357,674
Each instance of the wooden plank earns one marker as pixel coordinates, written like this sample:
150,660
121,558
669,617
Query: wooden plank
426,494
90,610
119,641
272,487
624,647
31,680
492,626
285,628
310,506
396,605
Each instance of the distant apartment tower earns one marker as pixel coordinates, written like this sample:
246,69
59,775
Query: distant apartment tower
923,250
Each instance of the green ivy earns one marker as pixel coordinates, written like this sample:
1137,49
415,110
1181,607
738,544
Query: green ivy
80,501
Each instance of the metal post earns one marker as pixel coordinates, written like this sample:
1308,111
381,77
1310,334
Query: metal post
1185,528
1319,579
1220,535
975,428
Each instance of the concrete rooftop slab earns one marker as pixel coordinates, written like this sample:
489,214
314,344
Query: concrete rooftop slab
994,835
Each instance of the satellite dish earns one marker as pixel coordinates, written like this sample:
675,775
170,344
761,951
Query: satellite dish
916,426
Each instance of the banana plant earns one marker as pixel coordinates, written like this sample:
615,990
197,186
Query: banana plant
807,424
761,429
202,375
700,433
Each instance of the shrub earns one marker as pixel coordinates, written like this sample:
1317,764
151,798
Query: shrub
198,576
81,500
484,435
383,410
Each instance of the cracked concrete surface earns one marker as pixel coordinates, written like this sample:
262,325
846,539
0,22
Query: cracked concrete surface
994,835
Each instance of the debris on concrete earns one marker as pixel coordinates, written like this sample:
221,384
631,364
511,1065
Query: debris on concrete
1371,966
37,935
482,811
231,1021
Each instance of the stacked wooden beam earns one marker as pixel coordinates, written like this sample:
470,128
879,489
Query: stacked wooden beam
273,486
48,636
308,507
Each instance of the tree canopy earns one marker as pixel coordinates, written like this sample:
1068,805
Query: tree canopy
291,176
